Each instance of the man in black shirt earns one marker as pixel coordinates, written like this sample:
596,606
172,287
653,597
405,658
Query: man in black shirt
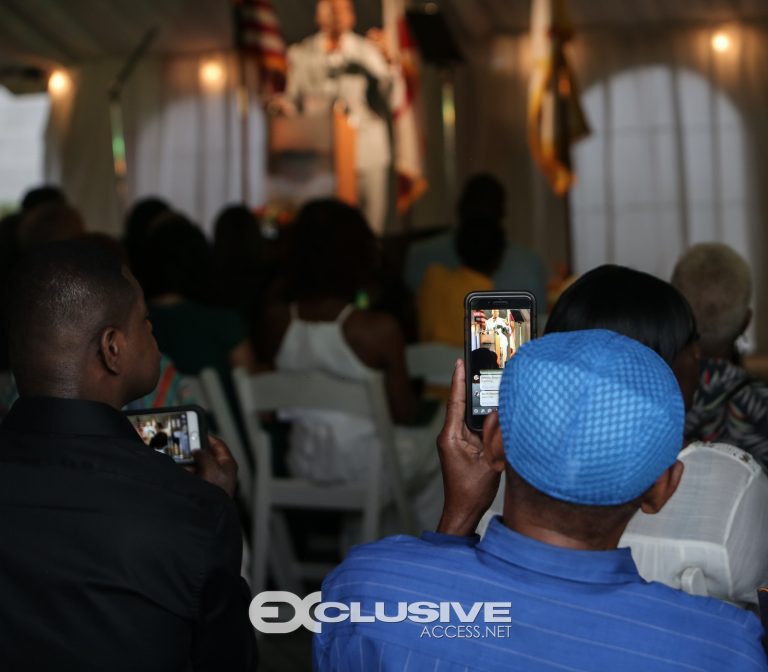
112,556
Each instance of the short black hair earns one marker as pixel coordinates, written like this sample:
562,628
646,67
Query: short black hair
630,302
177,259
60,296
136,227
484,197
334,251
237,234
479,243
45,194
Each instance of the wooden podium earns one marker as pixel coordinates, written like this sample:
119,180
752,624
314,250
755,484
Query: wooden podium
303,148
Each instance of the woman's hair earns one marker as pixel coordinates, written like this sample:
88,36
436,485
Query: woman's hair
632,303
237,235
334,251
177,259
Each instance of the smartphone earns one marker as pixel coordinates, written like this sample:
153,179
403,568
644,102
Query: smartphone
178,432
496,324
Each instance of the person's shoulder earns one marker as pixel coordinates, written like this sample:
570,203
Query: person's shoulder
375,322
404,556
697,614
435,274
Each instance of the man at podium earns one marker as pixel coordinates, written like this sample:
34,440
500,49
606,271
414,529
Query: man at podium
337,65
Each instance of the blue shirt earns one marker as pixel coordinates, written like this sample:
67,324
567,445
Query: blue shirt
570,610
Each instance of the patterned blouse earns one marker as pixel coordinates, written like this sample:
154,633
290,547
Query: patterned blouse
730,407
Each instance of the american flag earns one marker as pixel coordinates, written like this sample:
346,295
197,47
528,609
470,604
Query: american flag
257,32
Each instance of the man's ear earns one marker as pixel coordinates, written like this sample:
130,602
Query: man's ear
493,443
664,487
111,347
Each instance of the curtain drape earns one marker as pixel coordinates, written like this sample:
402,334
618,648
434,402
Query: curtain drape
183,140
674,158
677,154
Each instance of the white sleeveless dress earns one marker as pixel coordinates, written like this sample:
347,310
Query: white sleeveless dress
333,447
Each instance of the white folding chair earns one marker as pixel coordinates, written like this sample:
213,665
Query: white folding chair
434,362
219,408
314,390
206,389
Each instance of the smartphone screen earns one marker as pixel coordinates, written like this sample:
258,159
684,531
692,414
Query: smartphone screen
177,432
497,325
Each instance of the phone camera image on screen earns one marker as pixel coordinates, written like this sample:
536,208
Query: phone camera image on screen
496,325
495,336
176,433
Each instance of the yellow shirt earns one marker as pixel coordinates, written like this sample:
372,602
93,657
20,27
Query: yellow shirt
440,302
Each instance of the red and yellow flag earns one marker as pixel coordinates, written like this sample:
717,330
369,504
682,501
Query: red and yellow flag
555,116
408,143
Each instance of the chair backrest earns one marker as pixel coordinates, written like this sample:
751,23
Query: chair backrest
214,400
278,390
704,540
432,361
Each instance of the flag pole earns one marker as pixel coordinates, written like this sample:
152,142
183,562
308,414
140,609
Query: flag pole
243,105
560,81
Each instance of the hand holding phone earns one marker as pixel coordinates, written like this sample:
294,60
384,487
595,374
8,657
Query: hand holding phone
469,482
496,325
217,465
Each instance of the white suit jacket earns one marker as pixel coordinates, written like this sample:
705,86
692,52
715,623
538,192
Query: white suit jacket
316,78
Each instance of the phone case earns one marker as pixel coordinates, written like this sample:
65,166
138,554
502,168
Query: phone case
494,339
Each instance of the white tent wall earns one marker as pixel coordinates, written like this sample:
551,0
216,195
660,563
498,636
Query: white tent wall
182,142
711,147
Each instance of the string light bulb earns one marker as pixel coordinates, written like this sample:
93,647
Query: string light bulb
212,74
58,83
721,41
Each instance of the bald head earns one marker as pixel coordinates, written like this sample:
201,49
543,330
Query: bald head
62,298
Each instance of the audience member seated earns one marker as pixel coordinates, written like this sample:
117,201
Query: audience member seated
588,432
193,334
9,254
319,328
483,197
653,312
637,305
240,274
708,540
146,569
480,245
634,304
45,194
49,223
729,406
138,222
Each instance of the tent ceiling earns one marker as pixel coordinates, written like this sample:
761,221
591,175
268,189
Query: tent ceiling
44,32
481,17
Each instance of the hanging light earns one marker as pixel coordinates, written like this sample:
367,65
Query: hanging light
212,74
721,41
58,83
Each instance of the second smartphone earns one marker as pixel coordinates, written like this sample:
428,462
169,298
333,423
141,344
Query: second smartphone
496,324
178,432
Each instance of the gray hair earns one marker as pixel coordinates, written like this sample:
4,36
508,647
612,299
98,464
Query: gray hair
718,284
